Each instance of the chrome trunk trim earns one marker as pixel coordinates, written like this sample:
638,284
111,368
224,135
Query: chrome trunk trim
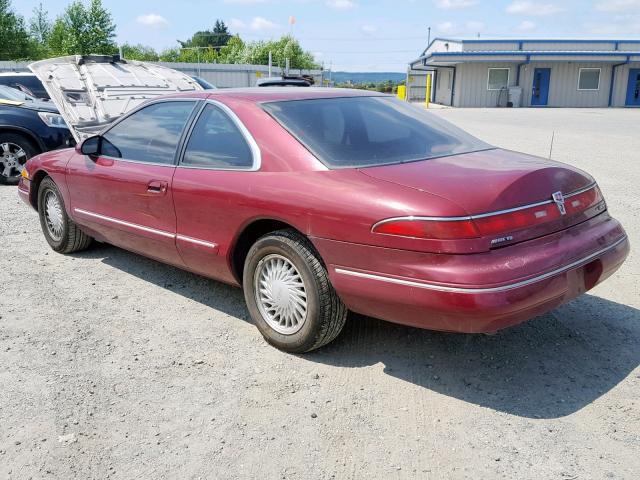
484,215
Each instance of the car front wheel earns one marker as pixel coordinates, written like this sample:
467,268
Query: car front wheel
288,293
62,234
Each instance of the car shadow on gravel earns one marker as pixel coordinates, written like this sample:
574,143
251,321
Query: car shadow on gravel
549,367
217,295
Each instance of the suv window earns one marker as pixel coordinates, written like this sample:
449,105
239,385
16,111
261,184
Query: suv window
217,142
21,82
150,135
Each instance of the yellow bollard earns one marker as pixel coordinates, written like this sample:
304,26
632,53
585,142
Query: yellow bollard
402,92
428,97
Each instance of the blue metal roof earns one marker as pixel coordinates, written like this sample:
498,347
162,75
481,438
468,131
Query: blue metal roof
520,41
535,40
553,53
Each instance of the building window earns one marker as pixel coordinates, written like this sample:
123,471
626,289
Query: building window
589,79
498,78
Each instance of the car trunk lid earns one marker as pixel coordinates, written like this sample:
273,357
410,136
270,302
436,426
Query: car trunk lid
93,91
494,186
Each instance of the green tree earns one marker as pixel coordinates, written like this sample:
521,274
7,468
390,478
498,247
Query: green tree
40,25
83,30
237,51
40,32
170,55
140,52
286,47
15,43
233,51
218,37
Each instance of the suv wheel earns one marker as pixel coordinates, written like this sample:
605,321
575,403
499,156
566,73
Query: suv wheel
15,150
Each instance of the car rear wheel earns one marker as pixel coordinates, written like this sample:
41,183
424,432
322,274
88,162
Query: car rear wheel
288,293
15,150
62,234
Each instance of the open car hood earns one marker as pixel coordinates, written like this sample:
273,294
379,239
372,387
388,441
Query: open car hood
92,91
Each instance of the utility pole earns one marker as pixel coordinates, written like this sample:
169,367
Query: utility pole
428,36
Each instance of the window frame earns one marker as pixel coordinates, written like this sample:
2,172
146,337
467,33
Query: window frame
489,77
188,123
599,78
256,154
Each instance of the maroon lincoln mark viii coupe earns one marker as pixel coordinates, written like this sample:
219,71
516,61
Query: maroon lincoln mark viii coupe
319,201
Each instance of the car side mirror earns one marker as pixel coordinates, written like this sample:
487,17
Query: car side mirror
91,146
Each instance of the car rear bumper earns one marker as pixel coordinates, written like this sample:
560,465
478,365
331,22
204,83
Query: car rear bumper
411,288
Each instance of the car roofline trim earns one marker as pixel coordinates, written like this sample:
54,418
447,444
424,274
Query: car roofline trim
470,290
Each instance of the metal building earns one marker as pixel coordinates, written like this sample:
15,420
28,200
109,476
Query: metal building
554,73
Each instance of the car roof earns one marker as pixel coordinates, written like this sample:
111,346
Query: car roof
276,94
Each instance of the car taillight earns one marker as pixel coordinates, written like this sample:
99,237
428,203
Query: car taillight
439,229
491,224
530,217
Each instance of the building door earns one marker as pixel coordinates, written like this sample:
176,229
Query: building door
633,88
540,88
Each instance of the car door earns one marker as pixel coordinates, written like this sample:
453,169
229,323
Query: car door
125,193
220,157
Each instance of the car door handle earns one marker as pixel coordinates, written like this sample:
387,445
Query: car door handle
157,186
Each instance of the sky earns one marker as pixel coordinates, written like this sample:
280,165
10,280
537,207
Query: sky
365,35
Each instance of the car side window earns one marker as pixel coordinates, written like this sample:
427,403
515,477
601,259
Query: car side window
150,135
217,142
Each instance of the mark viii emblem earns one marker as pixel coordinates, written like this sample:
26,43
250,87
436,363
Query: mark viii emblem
559,199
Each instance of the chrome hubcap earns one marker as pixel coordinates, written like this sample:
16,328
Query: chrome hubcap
53,215
280,294
12,159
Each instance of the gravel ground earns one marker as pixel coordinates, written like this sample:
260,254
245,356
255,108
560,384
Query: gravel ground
116,366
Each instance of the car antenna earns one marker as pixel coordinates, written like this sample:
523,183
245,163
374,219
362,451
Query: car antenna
553,135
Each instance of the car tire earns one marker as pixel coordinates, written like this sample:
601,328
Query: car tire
62,234
10,145
289,295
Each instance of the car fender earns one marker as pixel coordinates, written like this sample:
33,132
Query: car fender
52,164
25,131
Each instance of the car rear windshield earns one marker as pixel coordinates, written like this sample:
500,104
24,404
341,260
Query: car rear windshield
348,132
